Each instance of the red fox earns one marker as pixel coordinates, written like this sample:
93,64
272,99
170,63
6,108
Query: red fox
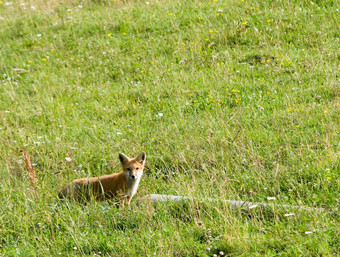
121,185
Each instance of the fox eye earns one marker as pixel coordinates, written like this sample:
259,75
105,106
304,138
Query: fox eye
129,169
137,168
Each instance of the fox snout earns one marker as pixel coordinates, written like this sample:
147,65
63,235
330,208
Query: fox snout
133,176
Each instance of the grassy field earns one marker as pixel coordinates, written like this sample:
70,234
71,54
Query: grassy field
229,99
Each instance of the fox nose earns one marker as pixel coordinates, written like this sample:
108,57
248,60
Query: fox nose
133,176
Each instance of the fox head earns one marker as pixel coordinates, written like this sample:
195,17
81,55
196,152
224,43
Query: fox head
133,168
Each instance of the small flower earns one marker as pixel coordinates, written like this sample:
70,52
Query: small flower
52,50
268,93
308,232
207,249
221,253
289,214
75,248
44,59
328,178
271,198
29,61
124,33
109,35
268,21
68,159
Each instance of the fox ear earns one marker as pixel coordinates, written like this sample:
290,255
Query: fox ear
123,158
141,157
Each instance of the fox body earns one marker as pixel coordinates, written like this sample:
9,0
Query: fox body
121,185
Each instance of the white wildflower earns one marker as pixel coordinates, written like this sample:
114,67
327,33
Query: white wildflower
68,159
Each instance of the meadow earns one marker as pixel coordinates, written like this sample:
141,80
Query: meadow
234,100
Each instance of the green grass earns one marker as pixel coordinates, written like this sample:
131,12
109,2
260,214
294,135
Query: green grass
250,97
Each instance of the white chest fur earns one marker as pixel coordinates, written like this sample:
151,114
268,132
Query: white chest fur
133,186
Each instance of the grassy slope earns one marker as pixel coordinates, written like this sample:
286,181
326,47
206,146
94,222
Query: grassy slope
249,92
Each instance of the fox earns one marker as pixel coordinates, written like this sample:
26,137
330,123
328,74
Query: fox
119,186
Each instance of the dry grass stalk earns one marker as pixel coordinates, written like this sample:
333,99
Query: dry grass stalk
31,171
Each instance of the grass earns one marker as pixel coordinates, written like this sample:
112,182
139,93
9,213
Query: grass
229,99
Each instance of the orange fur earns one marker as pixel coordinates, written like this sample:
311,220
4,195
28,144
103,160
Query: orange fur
121,185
